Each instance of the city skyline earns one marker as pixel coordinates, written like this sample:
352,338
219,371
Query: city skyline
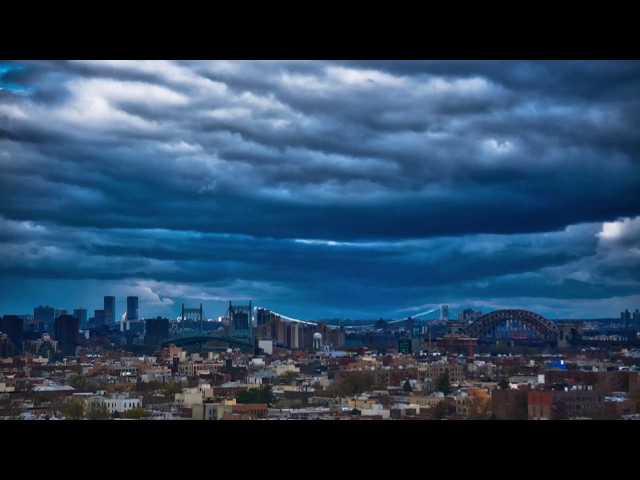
320,189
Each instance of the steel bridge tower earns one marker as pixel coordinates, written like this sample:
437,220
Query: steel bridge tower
240,320
191,317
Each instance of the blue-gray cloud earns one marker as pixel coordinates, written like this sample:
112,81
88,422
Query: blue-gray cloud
321,188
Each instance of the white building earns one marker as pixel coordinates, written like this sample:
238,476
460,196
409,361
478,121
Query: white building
189,397
120,403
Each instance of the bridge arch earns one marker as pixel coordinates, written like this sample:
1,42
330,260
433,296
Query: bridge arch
513,325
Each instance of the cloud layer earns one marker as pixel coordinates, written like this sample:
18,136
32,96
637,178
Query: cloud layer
321,188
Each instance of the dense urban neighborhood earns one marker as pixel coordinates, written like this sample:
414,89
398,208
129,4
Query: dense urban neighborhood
386,372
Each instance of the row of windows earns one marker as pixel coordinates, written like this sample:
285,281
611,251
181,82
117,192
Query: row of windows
125,405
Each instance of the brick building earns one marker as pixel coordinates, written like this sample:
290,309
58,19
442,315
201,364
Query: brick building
539,405
509,404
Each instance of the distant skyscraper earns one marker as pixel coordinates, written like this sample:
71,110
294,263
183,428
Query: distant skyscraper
625,317
60,311
81,315
13,326
110,308
67,332
156,330
469,315
636,318
99,318
132,308
44,318
263,316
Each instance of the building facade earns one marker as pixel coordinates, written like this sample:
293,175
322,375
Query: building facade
67,331
509,404
156,330
13,326
109,305
45,316
132,308
81,315
121,403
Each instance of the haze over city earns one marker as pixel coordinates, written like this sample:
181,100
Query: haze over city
321,189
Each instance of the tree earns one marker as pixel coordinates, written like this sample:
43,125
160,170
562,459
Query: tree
407,387
57,406
97,410
354,382
171,389
478,408
78,382
288,377
266,395
443,384
257,395
136,413
440,411
74,408
504,384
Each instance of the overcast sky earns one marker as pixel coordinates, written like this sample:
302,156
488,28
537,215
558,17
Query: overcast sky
321,189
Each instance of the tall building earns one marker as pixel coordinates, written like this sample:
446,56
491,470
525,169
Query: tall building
625,317
468,315
67,333
132,308
156,330
81,315
6,346
294,333
60,311
110,308
263,316
43,318
13,326
636,318
99,318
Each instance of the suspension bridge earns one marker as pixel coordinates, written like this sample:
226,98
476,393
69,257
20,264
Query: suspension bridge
239,321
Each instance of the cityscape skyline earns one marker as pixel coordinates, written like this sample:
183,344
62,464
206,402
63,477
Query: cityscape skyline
432,312
320,189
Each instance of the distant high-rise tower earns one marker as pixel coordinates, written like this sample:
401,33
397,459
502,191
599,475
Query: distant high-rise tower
132,308
81,315
67,332
625,317
444,312
60,311
156,330
99,318
110,308
43,318
636,318
13,327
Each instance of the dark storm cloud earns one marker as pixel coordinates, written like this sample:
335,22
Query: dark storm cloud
410,182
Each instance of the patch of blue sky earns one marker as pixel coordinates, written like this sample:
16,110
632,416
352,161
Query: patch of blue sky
10,86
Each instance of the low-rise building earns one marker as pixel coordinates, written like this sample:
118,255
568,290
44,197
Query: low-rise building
539,405
121,403
509,404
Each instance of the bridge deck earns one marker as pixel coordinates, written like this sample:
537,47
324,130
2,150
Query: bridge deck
192,340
